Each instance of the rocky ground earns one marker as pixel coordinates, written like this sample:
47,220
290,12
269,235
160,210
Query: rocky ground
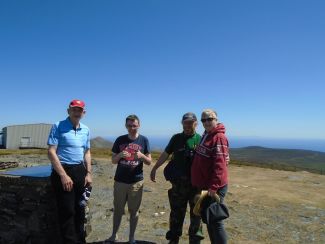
266,206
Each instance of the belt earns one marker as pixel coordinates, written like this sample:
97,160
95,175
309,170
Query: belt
69,166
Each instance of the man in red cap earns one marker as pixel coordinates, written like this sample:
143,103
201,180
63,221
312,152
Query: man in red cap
69,153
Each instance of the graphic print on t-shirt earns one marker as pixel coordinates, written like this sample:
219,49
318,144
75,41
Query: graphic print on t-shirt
131,148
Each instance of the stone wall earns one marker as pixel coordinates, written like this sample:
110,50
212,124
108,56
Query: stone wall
28,212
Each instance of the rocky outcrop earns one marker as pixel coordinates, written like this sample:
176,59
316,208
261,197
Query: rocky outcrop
7,165
28,212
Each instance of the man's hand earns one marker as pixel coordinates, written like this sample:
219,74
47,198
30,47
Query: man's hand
67,183
125,154
88,179
138,155
153,174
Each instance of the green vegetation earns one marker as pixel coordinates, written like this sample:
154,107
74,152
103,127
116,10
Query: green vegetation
107,153
281,159
95,152
287,159
276,166
22,151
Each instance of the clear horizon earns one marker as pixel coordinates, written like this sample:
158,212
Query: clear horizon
259,64
160,142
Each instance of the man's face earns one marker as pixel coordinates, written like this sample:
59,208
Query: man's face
76,113
189,127
132,126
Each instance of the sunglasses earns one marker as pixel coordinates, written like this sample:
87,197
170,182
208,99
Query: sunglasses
207,119
132,126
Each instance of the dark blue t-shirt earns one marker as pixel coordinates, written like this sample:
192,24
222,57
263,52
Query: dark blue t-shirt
130,170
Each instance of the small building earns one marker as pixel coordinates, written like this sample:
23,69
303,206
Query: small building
1,141
25,136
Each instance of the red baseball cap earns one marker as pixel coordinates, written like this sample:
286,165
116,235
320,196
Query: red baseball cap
77,103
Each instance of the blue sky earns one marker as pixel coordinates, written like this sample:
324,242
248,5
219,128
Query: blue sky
260,64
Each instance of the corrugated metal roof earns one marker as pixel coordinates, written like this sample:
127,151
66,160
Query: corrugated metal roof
28,124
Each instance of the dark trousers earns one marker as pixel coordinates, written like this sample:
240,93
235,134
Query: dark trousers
181,193
71,214
217,232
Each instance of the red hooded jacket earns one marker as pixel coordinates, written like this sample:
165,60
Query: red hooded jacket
210,164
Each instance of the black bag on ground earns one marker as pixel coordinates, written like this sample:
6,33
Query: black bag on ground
212,211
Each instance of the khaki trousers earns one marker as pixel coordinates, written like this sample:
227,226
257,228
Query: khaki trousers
130,193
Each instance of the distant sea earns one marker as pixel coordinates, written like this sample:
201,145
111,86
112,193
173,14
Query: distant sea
159,143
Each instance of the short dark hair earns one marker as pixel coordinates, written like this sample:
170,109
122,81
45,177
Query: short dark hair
132,117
